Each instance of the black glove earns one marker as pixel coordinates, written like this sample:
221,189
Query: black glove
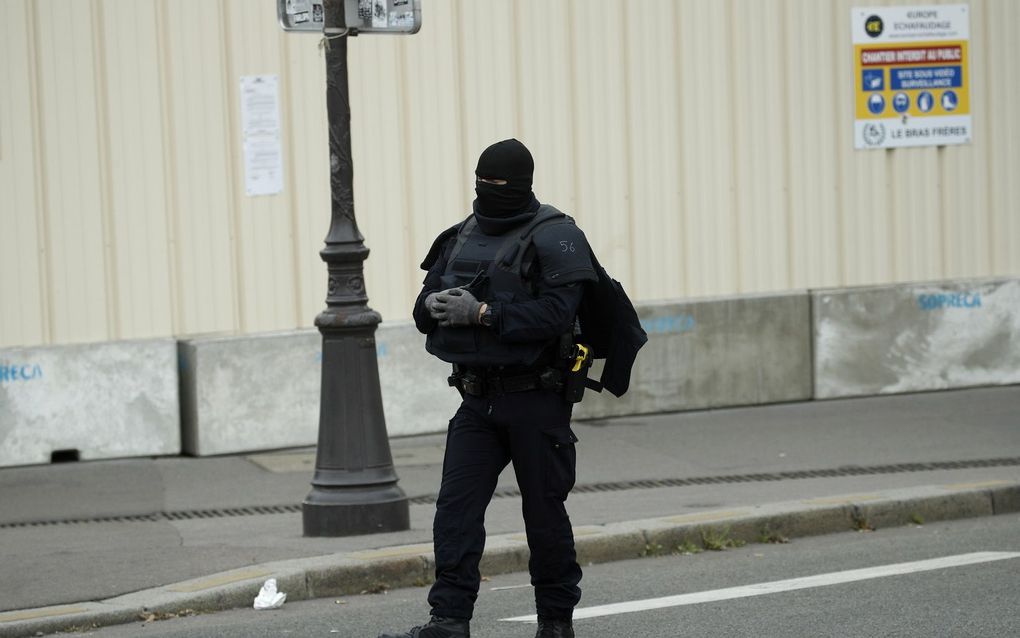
432,306
430,303
456,307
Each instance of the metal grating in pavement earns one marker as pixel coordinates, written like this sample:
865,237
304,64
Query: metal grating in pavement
847,470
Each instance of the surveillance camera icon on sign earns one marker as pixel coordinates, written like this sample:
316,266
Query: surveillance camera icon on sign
873,79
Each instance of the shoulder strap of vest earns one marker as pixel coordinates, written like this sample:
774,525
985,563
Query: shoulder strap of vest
462,236
512,251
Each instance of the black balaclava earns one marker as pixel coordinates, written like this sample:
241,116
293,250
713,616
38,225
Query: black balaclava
501,206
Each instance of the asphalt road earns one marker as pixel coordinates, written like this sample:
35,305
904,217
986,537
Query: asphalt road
926,598
67,563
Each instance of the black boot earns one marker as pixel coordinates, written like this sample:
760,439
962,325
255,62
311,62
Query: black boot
437,628
554,628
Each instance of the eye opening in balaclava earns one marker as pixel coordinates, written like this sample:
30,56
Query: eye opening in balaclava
511,161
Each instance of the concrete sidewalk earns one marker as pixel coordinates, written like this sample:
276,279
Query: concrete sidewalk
203,534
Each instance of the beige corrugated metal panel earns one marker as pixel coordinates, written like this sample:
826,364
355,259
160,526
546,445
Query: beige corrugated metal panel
760,169
864,180
653,127
1001,23
72,172
545,103
415,173
813,94
200,114
965,207
706,109
261,224
306,166
601,156
916,223
437,173
379,138
960,191
137,204
488,74
704,145
22,293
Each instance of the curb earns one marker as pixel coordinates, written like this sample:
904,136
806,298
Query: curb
413,565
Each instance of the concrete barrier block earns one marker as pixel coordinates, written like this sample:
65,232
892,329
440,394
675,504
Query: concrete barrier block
416,396
261,392
101,400
913,337
708,353
257,392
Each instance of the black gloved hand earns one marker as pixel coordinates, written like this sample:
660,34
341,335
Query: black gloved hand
456,307
430,303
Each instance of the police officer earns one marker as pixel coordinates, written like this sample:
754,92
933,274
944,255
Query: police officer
499,302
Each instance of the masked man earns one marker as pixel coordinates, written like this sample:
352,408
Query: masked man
500,302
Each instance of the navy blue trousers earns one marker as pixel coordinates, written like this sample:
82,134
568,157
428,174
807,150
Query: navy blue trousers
531,429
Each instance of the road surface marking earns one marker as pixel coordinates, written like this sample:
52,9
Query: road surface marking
393,552
704,516
216,581
32,614
578,531
807,582
842,500
974,486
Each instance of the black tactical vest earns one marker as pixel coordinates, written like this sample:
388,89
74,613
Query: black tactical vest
492,268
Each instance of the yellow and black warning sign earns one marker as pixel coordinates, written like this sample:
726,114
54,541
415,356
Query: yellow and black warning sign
911,76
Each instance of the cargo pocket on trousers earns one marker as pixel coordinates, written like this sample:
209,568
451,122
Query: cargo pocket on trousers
561,462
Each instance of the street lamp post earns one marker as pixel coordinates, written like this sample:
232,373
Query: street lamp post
354,489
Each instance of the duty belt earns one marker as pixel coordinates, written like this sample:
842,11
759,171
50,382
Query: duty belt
481,384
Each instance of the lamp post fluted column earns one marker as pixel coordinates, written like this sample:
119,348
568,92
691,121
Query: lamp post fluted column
354,488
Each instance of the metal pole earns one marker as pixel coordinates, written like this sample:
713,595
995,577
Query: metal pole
354,489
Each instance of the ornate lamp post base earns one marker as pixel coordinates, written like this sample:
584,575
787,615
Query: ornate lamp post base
354,490
350,512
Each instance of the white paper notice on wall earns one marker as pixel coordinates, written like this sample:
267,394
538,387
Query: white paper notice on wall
260,127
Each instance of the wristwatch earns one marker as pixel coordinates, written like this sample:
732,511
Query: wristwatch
485,315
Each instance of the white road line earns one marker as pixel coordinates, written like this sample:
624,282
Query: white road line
807,582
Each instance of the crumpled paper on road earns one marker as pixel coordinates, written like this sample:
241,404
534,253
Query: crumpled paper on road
268,597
